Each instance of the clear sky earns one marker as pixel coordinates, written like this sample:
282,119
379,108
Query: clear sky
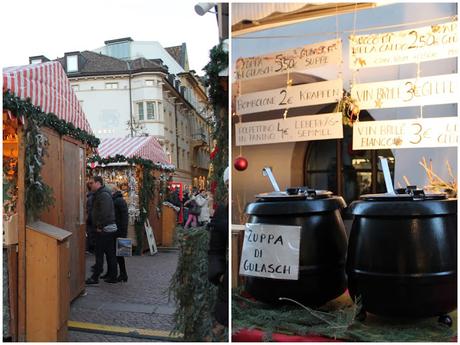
51,28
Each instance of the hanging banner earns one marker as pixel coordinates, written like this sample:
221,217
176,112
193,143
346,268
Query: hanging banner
408,46
324,92
299,128
271,251
397,134
297,59
442,89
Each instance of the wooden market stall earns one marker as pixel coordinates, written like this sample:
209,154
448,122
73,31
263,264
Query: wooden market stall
140,168
46,137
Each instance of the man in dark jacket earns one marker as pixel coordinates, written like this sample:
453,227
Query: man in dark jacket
121,219
217,260
103,219
90,242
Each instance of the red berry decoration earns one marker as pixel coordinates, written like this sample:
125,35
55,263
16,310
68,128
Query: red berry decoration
240,163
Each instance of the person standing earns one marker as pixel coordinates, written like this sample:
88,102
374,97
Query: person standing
193,212
202,201
90,231
217,260
121,219
103,218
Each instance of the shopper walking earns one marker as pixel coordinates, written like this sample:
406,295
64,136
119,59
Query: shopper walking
103,218
193,212
121,219
202,201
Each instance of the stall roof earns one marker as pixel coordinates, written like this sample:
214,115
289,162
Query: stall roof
48,87
143,147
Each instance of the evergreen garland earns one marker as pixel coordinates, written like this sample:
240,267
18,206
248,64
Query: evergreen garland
195,296
219,99
38,195
334,320
20,107
146,193
146,163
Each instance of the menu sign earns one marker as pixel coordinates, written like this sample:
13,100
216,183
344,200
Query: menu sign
442,89
297,59
396,134
292,129
426,43
271,251
295,96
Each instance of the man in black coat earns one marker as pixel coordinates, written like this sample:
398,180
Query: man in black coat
217,259
121,219
103,220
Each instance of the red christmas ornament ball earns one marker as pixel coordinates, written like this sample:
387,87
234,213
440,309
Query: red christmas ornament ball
241,163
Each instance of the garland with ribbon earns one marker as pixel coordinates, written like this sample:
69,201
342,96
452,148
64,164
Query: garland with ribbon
19,107
136,160
218,94
38,195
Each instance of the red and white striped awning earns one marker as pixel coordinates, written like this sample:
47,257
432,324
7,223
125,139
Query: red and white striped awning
49,88
143,147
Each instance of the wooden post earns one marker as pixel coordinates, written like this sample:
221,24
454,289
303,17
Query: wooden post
21,238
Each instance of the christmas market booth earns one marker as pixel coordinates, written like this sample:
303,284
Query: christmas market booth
141,170
46,138
344,177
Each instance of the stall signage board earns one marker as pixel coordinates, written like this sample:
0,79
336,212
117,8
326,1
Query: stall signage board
271,251
291,97
297,59
426,43
291,129
440,89
397,134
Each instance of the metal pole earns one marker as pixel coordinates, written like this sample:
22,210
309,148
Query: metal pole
130,102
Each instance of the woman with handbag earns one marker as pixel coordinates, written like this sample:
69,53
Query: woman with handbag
193,212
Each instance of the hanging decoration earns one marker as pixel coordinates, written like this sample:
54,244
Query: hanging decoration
349,108
241,163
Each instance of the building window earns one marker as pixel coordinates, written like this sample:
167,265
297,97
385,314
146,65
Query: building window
140,110
150,83
76,87
35,61
150,110
111,85
72,63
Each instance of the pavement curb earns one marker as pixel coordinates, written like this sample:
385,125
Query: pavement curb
142,333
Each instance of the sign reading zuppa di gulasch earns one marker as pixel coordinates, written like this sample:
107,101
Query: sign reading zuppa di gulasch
271,251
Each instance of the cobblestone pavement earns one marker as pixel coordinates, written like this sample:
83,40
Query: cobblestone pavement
142,302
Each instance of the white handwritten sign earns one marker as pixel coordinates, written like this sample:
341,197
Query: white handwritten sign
442,89
299,128
297,59
271,251
295,96
396,134
427,43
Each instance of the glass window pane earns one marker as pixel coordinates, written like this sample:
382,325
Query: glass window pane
140,110
150,110
72,63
